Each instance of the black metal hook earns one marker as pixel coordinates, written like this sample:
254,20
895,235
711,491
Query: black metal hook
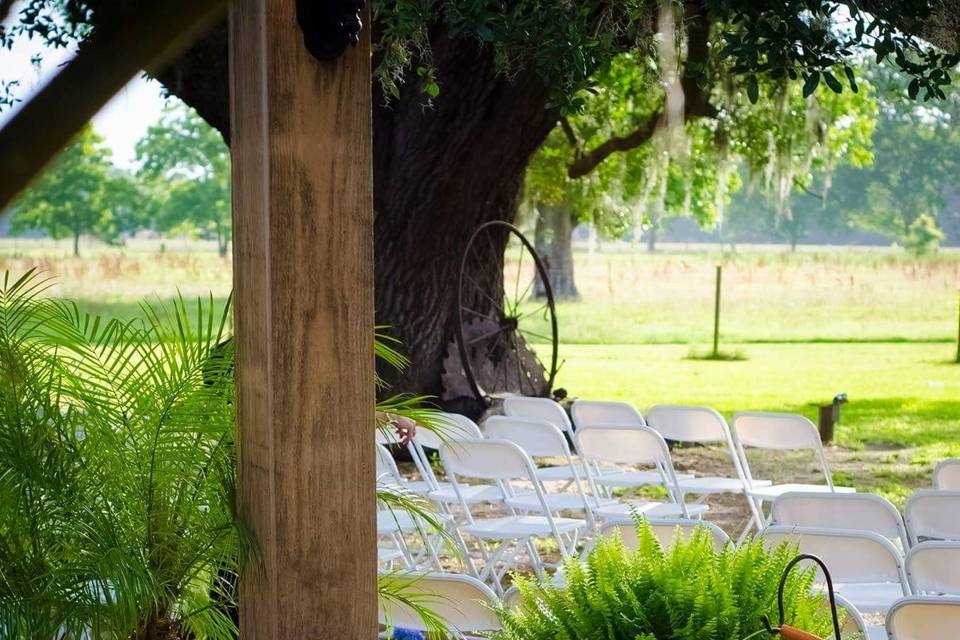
783,581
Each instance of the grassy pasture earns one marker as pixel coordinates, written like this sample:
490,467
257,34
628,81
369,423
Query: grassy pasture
875,324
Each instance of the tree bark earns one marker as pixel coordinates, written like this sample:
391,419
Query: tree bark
554,243
439,172
76,244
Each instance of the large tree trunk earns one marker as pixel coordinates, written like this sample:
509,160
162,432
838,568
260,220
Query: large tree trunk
439,172
554,242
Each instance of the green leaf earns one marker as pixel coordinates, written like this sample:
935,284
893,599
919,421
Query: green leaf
913,88
811,83
432,89
851,79
753,89
832,82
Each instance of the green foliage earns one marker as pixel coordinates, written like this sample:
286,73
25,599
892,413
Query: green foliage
186,166
923,236
689,591
80,193
117,504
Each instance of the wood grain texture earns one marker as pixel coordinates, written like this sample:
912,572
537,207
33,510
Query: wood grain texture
303,277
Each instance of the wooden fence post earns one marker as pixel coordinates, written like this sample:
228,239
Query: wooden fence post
716,314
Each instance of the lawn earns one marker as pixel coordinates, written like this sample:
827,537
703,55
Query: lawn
875,324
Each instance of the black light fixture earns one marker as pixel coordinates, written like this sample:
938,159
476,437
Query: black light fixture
330,26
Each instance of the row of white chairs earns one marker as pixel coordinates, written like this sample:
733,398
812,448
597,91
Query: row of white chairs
920,602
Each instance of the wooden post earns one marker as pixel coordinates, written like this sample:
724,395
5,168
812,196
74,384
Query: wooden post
958,327
716,314
303,278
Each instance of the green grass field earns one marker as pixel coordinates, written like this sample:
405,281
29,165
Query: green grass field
874,324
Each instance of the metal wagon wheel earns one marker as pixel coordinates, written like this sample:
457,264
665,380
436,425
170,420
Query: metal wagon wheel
501,317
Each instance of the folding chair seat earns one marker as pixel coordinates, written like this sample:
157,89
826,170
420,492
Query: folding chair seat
946,475
466,606
703,425
924,618
548,410
849,511
865,567
594,413
539,438
634,446
505,462
933,569
933,515
779,431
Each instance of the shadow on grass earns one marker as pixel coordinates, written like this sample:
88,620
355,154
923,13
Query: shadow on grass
738,355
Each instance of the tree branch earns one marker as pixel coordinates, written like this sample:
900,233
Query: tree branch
571,135
696,99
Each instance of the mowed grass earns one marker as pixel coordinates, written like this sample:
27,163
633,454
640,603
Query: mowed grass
877,325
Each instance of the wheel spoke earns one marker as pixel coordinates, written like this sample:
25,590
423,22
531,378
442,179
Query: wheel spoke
477,313
489,334
523,296
530,313
516,287
484,293
534,333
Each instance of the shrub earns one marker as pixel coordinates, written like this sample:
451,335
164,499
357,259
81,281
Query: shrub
689,591
924,236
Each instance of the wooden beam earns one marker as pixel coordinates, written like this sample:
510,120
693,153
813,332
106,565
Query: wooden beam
138,36
303,278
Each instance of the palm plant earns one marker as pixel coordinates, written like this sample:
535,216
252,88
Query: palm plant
117,505
118,510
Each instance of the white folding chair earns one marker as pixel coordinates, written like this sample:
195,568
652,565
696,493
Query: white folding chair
865,567
593,413
550,411
541,439
778,431
924,618
666,530
466,605
850,511
505,462
933,569
946,475
855,623
455,427
703,425
633,446
933,515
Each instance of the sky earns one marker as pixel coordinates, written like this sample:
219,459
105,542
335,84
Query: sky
121,122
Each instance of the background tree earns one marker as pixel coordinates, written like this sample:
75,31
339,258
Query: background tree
75,195
496,76
187,168
917,150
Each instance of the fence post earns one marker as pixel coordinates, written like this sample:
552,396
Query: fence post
958,326
716,314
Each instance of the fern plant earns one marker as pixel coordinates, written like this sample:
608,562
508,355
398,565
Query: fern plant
689,591
118,514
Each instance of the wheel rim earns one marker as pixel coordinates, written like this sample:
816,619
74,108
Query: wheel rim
497,331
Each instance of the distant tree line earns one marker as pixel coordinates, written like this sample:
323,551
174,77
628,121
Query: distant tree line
180,185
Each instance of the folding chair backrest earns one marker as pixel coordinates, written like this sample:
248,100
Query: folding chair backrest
591,413
924,618
465,604
933,568
452,426
387,470
851,511
779,431
851,556
688,424
933,515
538,408
622,445
666,531
538,438
946,475
488,459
